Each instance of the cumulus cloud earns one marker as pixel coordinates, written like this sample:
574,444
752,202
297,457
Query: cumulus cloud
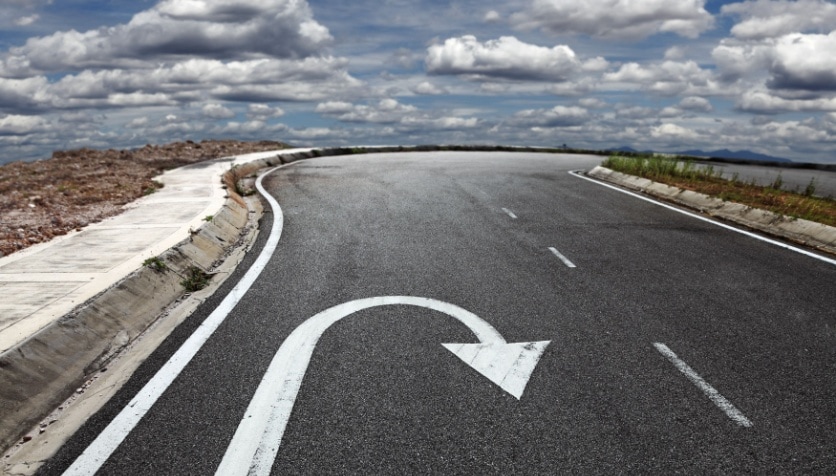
795,62
616,18
769,19
219,29
426,122
217,111
696,104
386,111
492,16
20,125
187,81
736,60
558,116
428,88
672,132
675,53
804,62
688,106
27,20
263,111
20,12
667,77
764,102
505,58
389,111
592,103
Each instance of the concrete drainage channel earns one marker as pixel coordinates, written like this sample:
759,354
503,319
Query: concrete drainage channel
53,365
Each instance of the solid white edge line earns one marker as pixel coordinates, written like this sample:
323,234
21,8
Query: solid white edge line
562,258
708,220
108,440
706,388
509,213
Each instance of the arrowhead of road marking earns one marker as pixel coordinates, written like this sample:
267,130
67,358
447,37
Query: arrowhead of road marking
507,365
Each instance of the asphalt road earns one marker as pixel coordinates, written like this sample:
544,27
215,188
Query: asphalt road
753,324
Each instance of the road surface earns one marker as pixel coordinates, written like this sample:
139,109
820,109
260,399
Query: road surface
648,341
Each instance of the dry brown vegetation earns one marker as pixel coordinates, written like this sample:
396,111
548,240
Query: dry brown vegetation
43,199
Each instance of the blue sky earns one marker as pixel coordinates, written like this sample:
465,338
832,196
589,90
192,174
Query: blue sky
664,75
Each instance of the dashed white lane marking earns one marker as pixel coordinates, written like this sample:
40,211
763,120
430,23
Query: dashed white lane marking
108,440
509,213
698,217
562,258
706,388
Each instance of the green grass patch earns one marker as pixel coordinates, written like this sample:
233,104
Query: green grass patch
705,179
156,263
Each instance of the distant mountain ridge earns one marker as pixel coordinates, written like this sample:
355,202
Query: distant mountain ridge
739,155
719,154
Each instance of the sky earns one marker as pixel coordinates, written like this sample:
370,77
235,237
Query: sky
662,75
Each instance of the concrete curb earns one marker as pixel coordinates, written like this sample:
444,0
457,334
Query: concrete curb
804,232
46,369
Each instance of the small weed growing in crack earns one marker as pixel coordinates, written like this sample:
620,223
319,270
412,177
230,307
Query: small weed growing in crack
156,263
195,280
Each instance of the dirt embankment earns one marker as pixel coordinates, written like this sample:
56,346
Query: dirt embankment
43,199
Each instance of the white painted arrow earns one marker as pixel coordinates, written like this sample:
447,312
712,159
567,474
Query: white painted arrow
507,365
256,441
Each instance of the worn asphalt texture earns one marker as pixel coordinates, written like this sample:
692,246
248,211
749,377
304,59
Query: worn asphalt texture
382,396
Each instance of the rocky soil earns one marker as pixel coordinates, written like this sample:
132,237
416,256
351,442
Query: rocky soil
43,199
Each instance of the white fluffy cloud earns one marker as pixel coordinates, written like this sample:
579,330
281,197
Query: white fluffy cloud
263,111
27,20
616,18
217,111
20,12
763,19
674,133
428,88
667,77
795,61
20,125
764,102
387,111
255,80
390,111
506,58
558,116
804,62
219,29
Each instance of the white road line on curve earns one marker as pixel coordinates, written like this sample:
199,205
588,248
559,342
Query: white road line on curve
706,388
708,220
105,444
509,213
562,258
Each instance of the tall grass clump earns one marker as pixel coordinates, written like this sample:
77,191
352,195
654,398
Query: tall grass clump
705,179
658,167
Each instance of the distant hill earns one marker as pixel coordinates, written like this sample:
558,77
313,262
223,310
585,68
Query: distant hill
739,155
719,154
